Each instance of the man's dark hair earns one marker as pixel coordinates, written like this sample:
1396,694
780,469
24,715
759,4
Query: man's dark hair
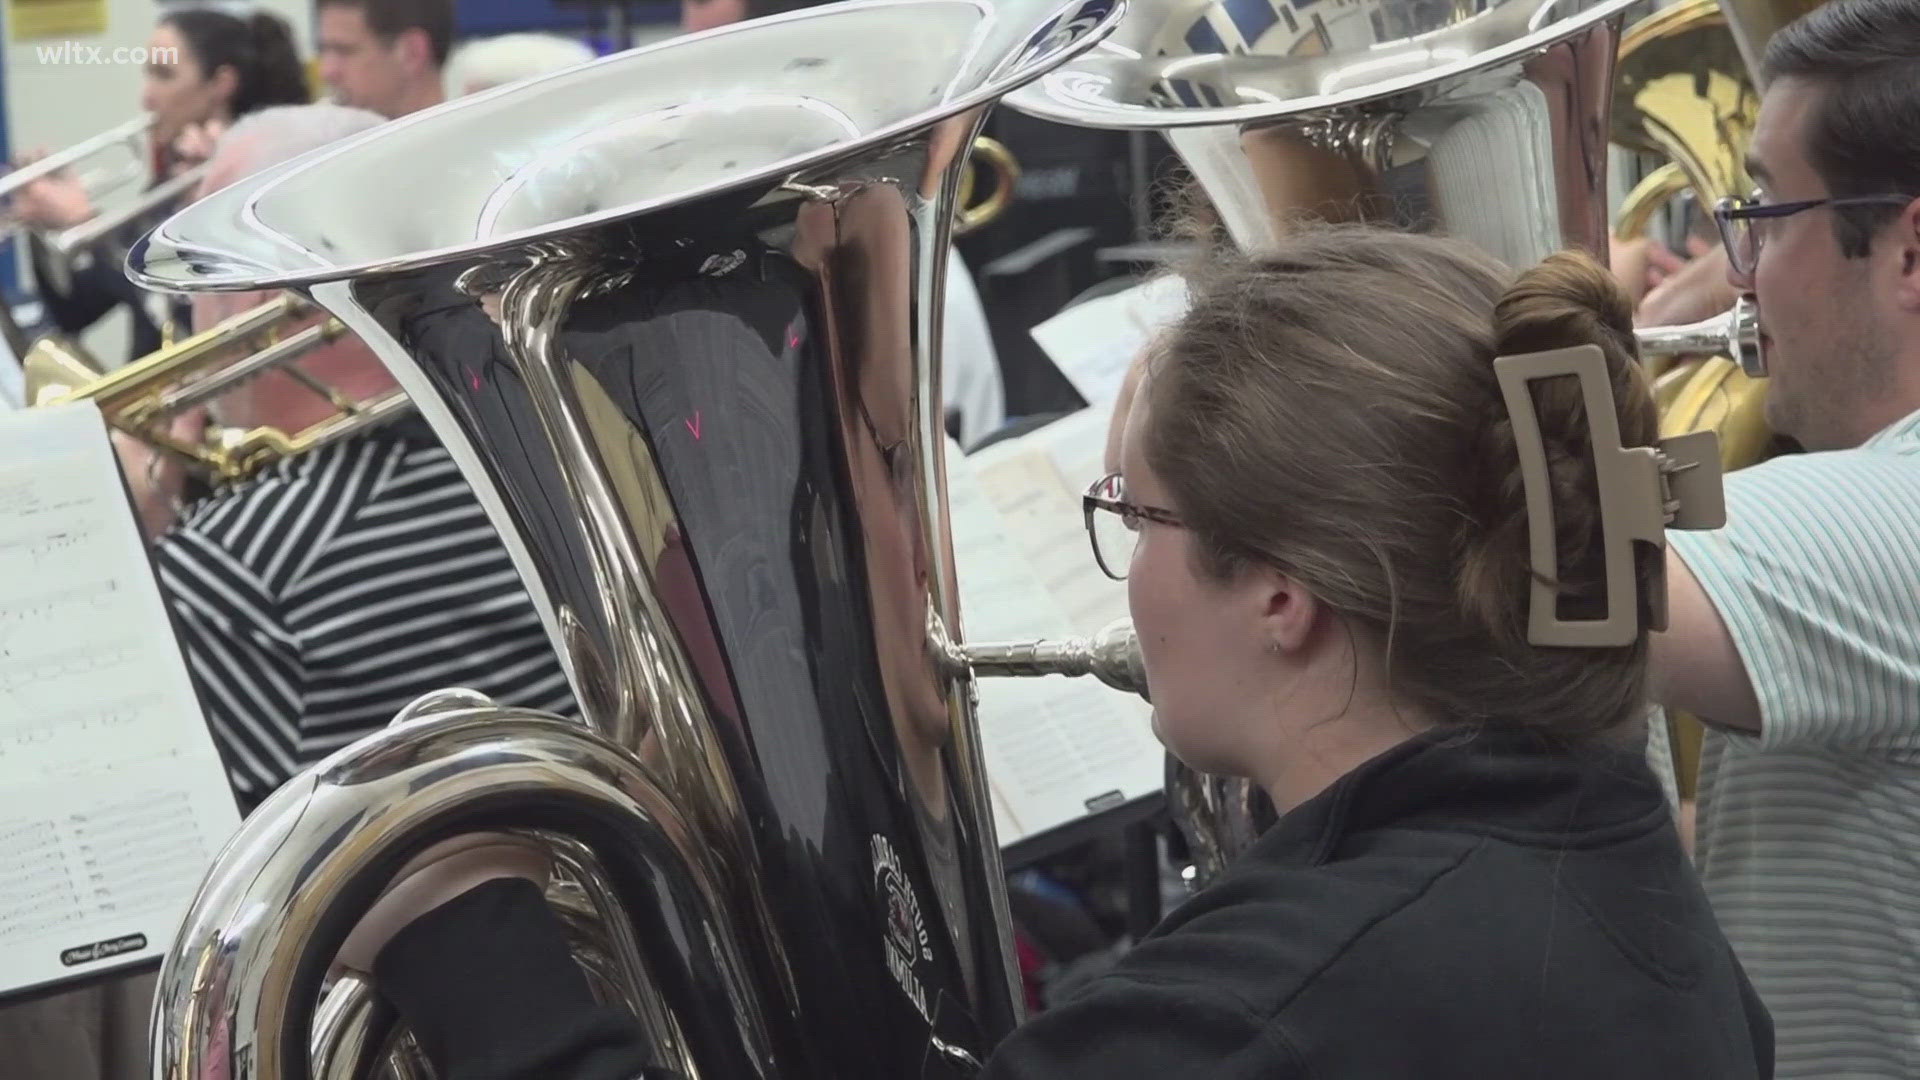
1862,139
389,18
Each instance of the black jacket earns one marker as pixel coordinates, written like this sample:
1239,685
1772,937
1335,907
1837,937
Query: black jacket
1483,908
101,284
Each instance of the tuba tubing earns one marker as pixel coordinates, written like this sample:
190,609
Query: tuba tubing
376,803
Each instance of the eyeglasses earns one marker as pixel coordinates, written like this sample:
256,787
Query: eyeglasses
1742,237
1113,524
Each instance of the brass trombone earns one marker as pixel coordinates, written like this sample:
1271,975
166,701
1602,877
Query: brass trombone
142,398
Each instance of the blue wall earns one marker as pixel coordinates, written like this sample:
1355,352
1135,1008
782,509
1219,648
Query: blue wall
9,253
476,18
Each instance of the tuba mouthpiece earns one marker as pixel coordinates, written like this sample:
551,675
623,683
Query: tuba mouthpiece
1734,333
1112,656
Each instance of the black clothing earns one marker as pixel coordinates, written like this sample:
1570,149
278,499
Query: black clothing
493,994
1470,907
99,284
94,290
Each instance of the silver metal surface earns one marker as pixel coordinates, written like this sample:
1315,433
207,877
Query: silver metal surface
707,425
66,247
1483,119
130,135
1735,333
357,816
1112,656
68,242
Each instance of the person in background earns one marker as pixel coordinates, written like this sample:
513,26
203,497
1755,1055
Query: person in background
385,55
1319,516
316,599
207,68
495,61
1795,631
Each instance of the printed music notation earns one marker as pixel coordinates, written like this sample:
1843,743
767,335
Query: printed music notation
139,855
1055,745
112,797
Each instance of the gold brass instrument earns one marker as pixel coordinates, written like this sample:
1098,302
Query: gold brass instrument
994,156
1682,93
707,425
1688,91
1754,22
144,397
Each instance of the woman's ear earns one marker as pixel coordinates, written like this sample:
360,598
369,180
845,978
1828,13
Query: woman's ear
226,83
1288,612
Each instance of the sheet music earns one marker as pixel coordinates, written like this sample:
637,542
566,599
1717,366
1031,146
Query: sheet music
112,797
1094,342
1056,748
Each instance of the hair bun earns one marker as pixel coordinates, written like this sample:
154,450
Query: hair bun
1566,300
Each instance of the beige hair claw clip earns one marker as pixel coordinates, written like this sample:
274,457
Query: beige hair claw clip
1644,491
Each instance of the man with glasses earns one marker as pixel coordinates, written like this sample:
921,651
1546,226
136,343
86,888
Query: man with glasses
1795,631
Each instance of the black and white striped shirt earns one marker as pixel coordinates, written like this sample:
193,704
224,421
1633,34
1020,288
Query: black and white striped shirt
317,599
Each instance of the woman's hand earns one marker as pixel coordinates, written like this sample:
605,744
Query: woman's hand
55,201
437,875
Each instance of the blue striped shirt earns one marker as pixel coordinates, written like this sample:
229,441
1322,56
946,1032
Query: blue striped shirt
1809,833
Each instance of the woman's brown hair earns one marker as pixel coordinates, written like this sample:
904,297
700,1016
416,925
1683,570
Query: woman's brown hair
1330,408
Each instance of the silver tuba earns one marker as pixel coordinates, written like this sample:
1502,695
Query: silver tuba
707,425
1483,119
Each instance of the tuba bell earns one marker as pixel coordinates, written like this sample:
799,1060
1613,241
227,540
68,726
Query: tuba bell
675,315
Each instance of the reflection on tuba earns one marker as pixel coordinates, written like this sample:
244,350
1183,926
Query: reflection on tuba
144,397
1486,121
707,424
